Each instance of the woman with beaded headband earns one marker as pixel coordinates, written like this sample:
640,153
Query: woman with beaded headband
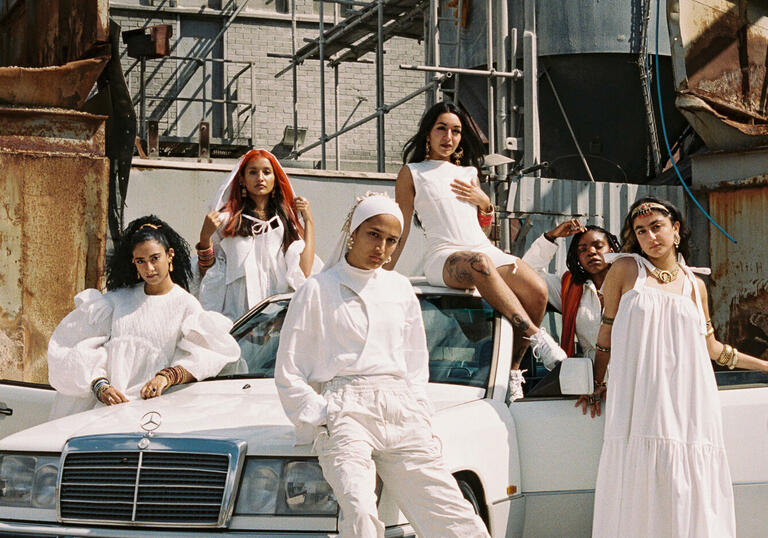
252,243
439,182
142,336
663,468
576,293
356,331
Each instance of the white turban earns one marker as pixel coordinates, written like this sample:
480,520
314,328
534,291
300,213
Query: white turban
372,204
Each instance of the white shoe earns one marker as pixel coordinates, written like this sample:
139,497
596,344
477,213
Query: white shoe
516,381
545,348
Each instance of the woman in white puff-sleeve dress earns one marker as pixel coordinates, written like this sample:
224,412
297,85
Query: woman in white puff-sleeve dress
356,331
252,244
144,335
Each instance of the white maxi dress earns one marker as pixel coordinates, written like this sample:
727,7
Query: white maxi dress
663,469
450,224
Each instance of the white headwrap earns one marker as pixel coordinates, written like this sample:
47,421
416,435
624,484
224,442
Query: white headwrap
367,206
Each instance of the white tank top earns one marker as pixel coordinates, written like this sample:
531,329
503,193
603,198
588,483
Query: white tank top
448,222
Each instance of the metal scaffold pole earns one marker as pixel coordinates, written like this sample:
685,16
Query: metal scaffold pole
295,80
321,52
381,166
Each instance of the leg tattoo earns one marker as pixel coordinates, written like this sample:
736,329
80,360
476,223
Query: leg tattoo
462,265
518,321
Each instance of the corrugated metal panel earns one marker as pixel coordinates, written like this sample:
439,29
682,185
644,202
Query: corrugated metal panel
739,282
546,202
53,198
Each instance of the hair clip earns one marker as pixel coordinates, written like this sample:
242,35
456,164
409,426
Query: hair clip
149,225
646,207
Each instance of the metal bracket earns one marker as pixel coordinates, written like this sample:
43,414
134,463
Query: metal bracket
204,147
153,147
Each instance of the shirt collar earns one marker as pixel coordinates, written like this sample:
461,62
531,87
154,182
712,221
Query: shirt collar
355,278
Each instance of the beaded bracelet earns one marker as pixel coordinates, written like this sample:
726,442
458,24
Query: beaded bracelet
99,385
602,348
607,321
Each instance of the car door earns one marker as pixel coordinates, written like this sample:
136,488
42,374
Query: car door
23,405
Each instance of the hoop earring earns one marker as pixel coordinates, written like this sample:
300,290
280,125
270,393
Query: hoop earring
350,243
426,148
457,156
676,240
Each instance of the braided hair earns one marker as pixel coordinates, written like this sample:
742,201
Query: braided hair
673,213
580,275
121,272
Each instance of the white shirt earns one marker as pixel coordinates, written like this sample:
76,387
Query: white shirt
250,269
127,336
590,311
343,322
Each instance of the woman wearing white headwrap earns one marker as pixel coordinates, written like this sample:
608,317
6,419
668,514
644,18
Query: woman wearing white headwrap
356,331
252,244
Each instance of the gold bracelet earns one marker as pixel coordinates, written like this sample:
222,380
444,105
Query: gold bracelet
709,332
722,360
486,213
734,359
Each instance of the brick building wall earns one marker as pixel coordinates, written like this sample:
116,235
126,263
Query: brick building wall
261,29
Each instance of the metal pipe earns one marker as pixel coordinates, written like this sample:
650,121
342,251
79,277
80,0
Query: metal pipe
515,73
380,140
491,98
295,102
253,104
531,137
570,129
336,148
434,32
435,82
321,52
502,99
142,98
650,117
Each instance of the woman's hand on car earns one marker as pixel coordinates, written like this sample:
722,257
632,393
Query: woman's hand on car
154,387
111,396
592,401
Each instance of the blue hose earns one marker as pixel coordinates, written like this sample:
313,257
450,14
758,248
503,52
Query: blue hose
666,138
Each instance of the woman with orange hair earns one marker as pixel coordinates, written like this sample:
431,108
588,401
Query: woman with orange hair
252,244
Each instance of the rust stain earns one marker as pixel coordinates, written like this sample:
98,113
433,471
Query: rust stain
748,327
52,131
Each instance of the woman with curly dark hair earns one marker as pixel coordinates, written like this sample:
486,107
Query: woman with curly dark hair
663,468
252,244
439,182
142,336
576,294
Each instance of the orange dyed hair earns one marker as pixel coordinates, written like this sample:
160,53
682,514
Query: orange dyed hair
283,197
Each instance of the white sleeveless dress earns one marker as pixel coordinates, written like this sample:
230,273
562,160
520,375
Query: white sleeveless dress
663,469
450,224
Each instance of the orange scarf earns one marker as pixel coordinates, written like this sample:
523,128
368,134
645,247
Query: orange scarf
571,297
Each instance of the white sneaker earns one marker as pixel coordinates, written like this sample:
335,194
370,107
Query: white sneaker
545,348
516,381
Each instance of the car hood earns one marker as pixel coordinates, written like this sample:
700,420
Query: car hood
241,409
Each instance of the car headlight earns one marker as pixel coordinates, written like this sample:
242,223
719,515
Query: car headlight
284,487
28,481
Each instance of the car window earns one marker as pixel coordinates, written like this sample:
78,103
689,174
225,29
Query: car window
459,332
459,338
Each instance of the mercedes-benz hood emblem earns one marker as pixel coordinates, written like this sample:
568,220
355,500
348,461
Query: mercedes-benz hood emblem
150,421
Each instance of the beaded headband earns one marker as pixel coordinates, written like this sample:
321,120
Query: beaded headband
646,207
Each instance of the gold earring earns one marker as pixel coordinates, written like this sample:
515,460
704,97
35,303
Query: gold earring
426,148
350,243
389,259
457,156
243,191
138,275
170,266
676,240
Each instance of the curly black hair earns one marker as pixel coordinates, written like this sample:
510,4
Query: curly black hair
121,272
580,275
628,233
415,149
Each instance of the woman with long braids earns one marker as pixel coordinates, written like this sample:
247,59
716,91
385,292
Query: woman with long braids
576,294
663,468
142,336
356,331
439,182
252,244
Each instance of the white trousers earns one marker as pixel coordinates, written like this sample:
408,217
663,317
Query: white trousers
375,424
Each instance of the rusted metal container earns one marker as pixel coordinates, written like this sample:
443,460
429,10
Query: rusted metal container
739,283
53,202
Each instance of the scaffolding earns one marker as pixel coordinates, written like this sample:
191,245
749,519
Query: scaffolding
370,24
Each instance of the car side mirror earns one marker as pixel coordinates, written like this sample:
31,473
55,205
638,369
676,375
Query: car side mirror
576,376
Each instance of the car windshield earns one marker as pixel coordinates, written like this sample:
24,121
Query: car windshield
459,332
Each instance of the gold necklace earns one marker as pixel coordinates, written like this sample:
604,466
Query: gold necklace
664,276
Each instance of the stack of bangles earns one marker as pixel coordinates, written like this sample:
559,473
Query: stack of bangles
205,257
99,385
729,357
593,398
174,375
485,218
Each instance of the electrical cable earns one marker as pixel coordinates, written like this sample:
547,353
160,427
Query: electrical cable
666,138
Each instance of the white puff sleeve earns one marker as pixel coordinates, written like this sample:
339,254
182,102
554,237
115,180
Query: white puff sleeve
296,353
538,256
213,285
294,276
205,346
76,351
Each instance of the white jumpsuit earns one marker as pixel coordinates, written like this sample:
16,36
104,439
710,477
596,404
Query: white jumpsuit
663,468
359,335
250,269
127,336
450,224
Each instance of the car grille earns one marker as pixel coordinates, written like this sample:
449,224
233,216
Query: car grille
173,482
